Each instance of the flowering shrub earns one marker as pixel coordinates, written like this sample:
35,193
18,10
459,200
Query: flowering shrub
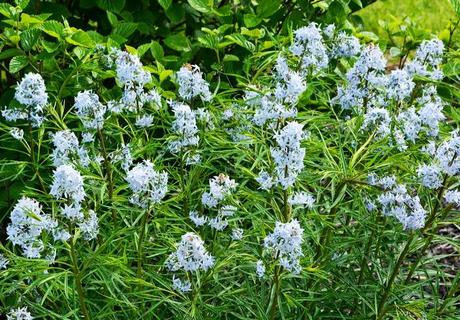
312,185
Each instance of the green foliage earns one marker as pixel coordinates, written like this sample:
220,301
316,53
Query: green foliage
349,253
177,26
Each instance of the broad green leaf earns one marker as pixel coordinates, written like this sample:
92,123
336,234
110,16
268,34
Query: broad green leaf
358,3
17,63
111,5
267,8
50,46
168,95
251,20
112,18
254,33
79,52
125,29
7,10
116,40
27,19
231,57
268,44
142,49
165,74
131,50
175,13
178,42
241,41
209,41
224,11
29,38
157,50
22,3
8,53
204,6
165,3
97,37
81,38
336,11
53,28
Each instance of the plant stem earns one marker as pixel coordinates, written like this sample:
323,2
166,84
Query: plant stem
286,211
183,187
276,275
386,291
32,158
325,236
452,291
76,272
428,225
108,169
274,300
451,33
286,207
421,252
140,248
31,144
363,263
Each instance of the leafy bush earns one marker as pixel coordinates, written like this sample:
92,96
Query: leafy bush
311,174
214,34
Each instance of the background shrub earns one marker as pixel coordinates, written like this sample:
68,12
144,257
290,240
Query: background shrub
216,96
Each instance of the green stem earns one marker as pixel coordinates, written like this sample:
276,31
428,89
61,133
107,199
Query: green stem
387,289
326,233
276,275
452,291
32,157
140,247
363,263
286,208
421,252
325,237
108,170
275,295
76,272
31,144
428,225
183,187
378,245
